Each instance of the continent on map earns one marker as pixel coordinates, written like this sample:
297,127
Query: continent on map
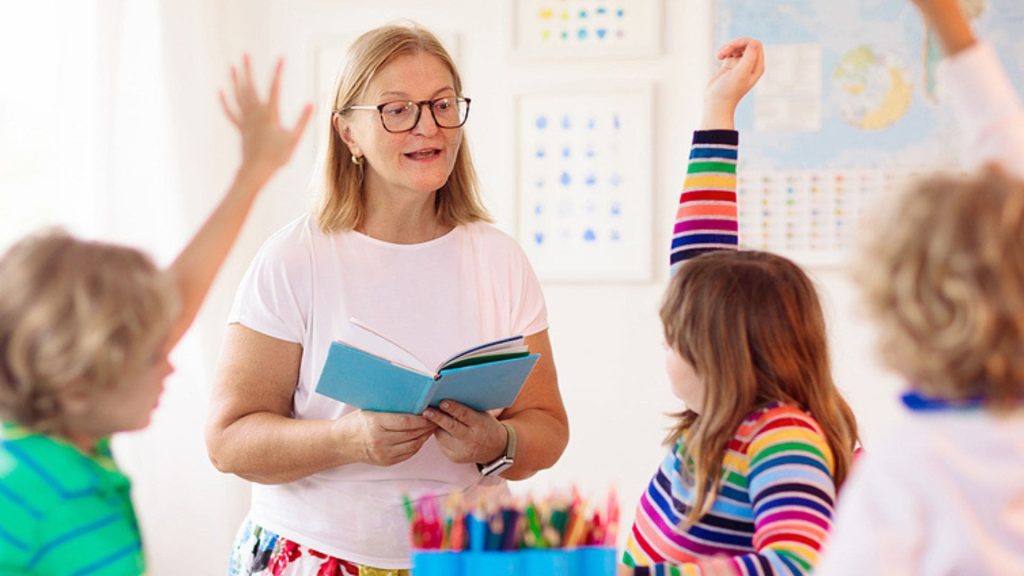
870,89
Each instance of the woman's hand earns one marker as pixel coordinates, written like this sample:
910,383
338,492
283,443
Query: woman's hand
465,435
266,144
382,438
742,66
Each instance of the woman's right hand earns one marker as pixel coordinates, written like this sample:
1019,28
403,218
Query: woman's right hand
382,438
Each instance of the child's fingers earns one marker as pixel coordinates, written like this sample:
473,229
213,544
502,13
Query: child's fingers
236,87
735,47
227,109
275,84
759,69
751,54
248,89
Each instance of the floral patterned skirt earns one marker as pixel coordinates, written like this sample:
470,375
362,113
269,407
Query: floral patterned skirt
260,552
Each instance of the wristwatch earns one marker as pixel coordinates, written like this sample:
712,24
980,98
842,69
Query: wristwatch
506,460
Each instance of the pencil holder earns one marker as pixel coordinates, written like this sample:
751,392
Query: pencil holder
437,563
593,561
545,562
490,564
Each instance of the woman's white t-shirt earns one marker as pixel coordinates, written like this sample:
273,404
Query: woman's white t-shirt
469,286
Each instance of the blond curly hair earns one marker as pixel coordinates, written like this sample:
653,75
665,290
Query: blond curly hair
945,282
74,312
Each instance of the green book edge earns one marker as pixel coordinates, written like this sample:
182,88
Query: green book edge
485,360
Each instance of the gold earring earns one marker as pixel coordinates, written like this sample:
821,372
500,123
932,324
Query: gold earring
357,160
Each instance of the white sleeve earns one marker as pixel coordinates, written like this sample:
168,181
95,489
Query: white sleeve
877,528
273,297
529,312
987,108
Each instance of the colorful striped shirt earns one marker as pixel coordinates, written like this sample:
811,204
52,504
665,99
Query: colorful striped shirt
707,215
63,512
771,514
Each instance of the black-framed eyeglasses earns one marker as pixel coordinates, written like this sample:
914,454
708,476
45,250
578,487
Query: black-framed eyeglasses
403,116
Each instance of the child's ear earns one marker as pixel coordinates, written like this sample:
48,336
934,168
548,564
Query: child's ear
76,398
344,129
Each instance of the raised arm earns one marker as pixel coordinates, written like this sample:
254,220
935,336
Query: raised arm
266,146
707,216
986,106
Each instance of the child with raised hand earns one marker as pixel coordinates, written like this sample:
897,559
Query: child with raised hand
85,331
755,459
944,494
985,104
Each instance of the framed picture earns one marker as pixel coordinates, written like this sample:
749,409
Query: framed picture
584,184
586,28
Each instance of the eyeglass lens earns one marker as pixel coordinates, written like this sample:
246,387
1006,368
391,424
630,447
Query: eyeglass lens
401,116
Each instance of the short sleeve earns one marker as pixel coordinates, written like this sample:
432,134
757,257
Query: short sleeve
529,311
274,295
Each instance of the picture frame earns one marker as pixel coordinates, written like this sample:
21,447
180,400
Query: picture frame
586,28
584,183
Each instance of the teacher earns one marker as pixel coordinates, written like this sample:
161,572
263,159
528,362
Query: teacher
398,259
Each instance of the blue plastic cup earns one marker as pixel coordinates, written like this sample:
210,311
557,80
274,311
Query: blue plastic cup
490,564
545,562
436,563
593,561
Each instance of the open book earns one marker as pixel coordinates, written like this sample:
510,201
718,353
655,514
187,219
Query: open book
484,377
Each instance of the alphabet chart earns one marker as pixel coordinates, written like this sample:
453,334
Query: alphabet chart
811,215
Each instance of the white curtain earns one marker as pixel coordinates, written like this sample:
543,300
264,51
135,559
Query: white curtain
110,127
170,158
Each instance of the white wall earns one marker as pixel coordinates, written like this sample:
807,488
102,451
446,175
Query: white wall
606,338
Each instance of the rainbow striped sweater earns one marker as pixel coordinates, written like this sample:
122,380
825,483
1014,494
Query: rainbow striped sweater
772,512
775,504
707,217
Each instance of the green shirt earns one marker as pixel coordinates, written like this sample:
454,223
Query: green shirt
63,512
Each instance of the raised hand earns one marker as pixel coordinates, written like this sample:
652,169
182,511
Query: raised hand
742,64
266,144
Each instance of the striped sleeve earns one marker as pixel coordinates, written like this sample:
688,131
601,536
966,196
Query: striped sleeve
788,469
792,491
707,216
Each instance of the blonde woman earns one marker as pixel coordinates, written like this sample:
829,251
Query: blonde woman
400,244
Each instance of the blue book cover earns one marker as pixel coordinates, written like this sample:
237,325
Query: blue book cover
485,377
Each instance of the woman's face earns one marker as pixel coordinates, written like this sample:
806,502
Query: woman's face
418,161
686,385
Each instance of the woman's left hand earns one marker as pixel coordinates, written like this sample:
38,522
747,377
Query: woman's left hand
465,435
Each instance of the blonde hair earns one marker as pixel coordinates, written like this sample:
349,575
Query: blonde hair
342,206
73,312
945,283
751,326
